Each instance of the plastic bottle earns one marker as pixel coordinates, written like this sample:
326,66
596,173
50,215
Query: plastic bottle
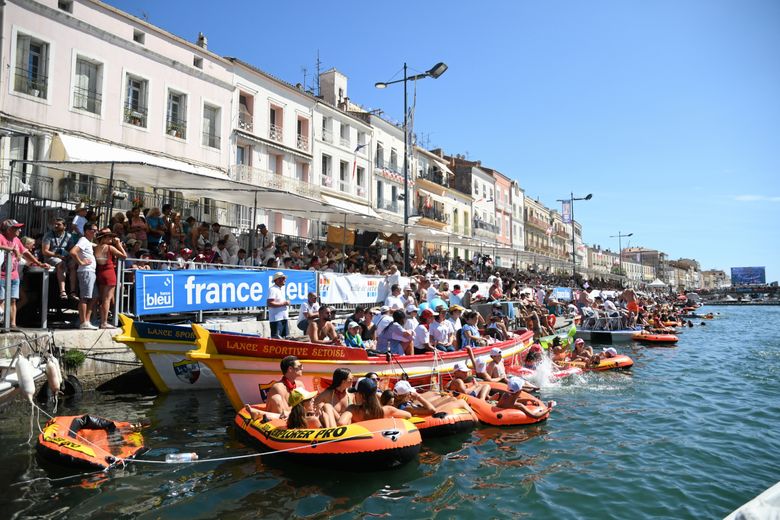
181,457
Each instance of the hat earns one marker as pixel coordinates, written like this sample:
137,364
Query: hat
407,288
277,275
515,384
131,242
375,310
426,313
11,223
300,395
455,308
104,232
186,251
261,226
411,308
352,324
610,352
403,387
441,308
579,341
81,206
460,366
481,364
365,386
170,255
383,309
495,351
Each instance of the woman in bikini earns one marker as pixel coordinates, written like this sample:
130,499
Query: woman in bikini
336,394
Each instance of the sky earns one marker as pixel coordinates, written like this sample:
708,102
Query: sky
668,111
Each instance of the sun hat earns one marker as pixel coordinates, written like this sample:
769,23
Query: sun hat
455,308
579,341
403,387
383,309
277,275
481,364
300,395
411,308
515,384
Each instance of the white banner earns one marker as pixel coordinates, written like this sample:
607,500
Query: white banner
349,288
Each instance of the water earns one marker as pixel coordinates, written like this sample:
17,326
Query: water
693,432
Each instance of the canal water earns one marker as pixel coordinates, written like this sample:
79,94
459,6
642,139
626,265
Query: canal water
691,432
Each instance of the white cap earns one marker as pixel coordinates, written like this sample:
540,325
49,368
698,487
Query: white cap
411,308
384,308
481,364
460,366
495,351
403,387
515,384
611,351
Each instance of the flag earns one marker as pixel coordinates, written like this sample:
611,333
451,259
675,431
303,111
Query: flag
354,160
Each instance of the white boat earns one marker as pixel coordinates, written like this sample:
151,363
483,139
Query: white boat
607,337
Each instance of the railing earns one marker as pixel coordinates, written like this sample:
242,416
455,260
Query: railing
30,82
303,142
276,133
434,175
136,115
538,223
344,141
176,128
265,178
485,226
344,186
562,234
327,136
386,165
387,205
433,213
211,140
360,191
39,186
86,99
245,122
327,180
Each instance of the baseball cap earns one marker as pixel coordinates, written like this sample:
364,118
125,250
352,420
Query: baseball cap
365,386
352,324
11,223
300,395
579,341
411,308
456,308
610,352
460,366
426,313
384,308
481,364
495,351
515,384
403,387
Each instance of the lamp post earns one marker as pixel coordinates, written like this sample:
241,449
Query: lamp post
571,200
620,237
434,72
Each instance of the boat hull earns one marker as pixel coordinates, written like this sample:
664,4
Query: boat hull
607,337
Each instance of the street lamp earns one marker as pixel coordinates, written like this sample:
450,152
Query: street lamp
571,200
434,72
620,236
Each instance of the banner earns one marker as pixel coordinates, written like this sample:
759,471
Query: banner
188,290
566,211
350,288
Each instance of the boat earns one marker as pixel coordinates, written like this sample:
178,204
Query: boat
530,373
247,366
488,413
88,441
363,446
161,348
444,422
647,337
619,362
607,337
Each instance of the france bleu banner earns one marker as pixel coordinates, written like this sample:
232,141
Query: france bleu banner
187,290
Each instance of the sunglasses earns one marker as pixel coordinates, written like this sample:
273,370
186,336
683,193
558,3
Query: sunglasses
298,367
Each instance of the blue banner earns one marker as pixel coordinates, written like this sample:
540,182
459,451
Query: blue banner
188,290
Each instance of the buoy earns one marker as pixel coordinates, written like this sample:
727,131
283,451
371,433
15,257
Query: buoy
24,372
53,376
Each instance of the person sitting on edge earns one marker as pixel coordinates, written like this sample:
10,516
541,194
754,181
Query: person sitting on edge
442,331
394,300
367,406
321,329
512,399
469,333
405,397
308,311
352,337
279,393
491,368
336,394
304,413
394,338
422,336
464,383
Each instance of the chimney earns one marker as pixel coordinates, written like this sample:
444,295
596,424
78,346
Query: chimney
202,41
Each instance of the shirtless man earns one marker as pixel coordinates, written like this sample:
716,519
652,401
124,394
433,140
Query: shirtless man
279,393
631,305
321,329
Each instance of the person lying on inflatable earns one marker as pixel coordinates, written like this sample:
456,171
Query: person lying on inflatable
405,397
464,383
512,398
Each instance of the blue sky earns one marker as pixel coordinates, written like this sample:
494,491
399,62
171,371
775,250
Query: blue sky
667,111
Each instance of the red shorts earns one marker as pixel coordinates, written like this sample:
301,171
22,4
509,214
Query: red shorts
633,307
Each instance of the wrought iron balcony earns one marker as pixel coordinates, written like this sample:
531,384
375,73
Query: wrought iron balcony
31,82
176,128
211,140
276,133
245,122
88,100
303,142
387,205
433,213
136,114
434,175
327,136
265,178
538,223
485,226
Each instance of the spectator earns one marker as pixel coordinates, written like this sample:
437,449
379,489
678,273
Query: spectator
83,254
77,226
15,251
156,230
54,249
265,241
394,300
138,226
278,307
308,311
108,248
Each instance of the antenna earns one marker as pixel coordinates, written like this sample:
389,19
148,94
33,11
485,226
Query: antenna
318,65
145,16
304,70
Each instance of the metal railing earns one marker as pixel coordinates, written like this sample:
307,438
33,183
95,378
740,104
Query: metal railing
538,223
176,128
485,226
387,205
302,142
136,114
276,133
31,82
86,99
33,184
265,178
344,141
245,122
211,140
433,213
434,175
327,136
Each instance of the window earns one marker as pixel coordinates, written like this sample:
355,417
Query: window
344,135
275,130
32,66
327,180
380,155
343,176
139,36
197,62
476,187
393,160
491,194
380,193
360,175
327,135
211,126
303,134
176,115
135,101
65,5
242,154
87,85
484,191
245,121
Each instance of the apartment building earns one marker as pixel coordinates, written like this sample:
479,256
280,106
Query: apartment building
517,200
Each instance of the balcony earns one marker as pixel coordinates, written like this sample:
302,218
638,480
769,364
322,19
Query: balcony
245,122
275,133
30,82
327,180
303,142
389,166
211,140
176,128
360,191
481,225
434,175
87,100
562,234
503,205
538,223
435,213
345,142
259,177
135,114
387,205
327,136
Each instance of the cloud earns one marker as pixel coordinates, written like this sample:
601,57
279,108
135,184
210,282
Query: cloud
756,198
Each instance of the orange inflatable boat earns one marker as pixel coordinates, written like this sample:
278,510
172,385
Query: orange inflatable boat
490,414
451,420
88,441
363,446
614,363
647,337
